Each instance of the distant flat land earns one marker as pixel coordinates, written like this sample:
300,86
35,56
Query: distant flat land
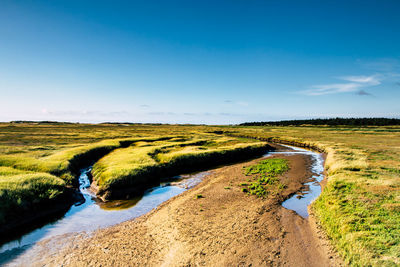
359,208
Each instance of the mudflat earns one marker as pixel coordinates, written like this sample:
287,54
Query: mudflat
223,227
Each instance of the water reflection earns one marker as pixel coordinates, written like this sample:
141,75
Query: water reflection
312,188
91,214
119,204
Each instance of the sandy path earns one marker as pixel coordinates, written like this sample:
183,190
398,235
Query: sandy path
225,228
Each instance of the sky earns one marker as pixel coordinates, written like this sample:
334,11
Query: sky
206,62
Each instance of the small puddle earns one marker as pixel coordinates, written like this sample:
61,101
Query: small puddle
311,189
91,214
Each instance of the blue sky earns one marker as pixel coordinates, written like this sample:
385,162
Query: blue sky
215,62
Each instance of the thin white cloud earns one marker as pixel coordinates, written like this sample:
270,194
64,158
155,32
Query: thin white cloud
370,80
333,88
353,84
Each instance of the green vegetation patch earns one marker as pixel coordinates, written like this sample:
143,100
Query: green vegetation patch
63,163
264,174
143,163
21,192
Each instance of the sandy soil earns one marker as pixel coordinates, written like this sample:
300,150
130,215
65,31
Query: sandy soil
225,228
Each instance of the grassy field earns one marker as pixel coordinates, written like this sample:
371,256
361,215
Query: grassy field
39,162
359,207
129,170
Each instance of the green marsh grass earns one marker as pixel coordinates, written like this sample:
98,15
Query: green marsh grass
265,175
358,209
141,164
359,206
39,161
21,192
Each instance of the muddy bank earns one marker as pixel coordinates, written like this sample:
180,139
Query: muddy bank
226,227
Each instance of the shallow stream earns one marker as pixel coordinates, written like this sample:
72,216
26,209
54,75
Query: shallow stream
91,214
312,188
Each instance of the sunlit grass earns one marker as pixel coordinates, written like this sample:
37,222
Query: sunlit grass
20,192
144,162
359,207
265,174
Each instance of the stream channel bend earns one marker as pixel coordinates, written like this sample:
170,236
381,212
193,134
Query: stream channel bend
91,214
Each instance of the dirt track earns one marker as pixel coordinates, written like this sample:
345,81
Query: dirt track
225,228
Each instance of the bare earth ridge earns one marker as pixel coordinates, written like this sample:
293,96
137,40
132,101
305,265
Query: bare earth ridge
225,228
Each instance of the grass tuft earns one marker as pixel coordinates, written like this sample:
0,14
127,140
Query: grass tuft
265,174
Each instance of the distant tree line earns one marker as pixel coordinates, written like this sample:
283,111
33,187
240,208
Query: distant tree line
329,122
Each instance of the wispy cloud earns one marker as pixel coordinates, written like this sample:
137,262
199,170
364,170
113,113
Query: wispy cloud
369,80
352,84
